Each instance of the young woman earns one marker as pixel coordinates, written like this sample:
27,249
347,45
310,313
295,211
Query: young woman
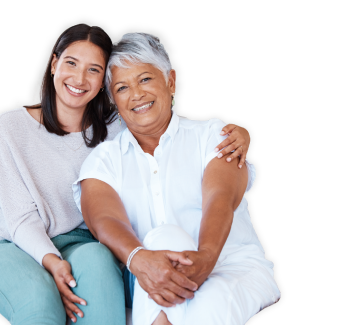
49,261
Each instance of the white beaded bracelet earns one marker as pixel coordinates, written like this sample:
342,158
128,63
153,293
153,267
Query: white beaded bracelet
132,254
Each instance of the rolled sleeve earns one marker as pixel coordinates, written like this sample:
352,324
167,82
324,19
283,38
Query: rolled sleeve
98,165
214,138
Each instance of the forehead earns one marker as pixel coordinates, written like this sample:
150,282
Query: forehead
133,71
85,51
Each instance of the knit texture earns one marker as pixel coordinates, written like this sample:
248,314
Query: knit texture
37,169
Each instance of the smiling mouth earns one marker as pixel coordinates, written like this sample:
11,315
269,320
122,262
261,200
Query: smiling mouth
76,90
140,108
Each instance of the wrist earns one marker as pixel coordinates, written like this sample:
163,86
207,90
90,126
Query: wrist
50,261
137,260
211,255
131,256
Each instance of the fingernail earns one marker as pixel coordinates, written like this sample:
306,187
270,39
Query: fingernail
73,320
72,283
220,155
222,132
83,303
149,297
229,159
240,166
79,314
216,149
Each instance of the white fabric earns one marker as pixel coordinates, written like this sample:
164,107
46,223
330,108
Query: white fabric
237,288
37,169
165,190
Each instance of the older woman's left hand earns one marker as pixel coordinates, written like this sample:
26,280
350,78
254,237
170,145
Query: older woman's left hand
238,140
203,264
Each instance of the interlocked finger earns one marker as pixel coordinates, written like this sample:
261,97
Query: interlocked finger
161,301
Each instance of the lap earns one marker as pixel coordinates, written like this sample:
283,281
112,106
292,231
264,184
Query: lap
240,285
27,289
99,281
28,294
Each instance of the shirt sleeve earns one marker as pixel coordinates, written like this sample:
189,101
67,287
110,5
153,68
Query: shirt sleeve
99,165
213,139
23,222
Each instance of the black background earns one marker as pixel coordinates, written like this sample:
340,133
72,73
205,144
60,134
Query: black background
232,73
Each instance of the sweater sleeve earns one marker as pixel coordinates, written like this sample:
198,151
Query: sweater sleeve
24,224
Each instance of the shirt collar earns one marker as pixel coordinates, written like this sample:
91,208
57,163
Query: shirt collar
127,137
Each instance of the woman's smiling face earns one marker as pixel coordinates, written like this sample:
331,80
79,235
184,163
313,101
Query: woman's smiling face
78,74
143,96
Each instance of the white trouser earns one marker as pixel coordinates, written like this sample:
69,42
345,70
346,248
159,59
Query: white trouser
237,288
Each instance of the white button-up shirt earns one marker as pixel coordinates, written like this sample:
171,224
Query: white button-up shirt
165,188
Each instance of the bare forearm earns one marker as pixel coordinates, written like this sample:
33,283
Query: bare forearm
222,191
118,236
216,223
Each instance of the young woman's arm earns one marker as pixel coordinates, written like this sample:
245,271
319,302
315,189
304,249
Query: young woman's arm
238,140
27,230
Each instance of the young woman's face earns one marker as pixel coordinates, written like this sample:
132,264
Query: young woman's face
78,74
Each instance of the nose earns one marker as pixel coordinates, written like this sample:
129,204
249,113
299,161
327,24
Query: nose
137,92
80,77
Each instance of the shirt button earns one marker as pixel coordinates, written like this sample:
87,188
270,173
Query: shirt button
157,193
155,172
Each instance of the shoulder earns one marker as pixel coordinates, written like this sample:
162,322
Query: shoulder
11,117
12,123
105,150
201,126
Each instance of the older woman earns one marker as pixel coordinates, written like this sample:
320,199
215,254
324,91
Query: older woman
164,206
41,151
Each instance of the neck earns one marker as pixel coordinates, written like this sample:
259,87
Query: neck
70,118
150,140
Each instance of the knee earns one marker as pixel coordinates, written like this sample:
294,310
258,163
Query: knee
95,259
169,237
44,306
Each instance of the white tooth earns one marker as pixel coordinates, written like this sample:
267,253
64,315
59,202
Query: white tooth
143,107
77,91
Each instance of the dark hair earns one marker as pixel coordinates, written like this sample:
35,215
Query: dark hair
99,111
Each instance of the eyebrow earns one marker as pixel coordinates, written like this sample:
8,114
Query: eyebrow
94,64
120,82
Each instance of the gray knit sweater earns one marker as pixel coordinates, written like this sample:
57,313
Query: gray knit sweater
37,169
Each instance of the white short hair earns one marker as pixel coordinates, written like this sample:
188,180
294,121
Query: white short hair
137,48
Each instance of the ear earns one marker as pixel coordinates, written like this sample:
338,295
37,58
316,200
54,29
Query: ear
54,63
171,81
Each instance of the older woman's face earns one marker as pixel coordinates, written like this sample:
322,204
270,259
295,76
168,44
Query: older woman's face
143,96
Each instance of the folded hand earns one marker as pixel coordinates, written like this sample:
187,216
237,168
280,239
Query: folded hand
156,275
200,269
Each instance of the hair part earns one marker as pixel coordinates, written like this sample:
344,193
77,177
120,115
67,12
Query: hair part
137,48
99,111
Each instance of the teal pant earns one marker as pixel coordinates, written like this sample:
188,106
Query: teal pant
29,296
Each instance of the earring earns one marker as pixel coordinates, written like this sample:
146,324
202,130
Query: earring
119,118
52,75
173,100
102,89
